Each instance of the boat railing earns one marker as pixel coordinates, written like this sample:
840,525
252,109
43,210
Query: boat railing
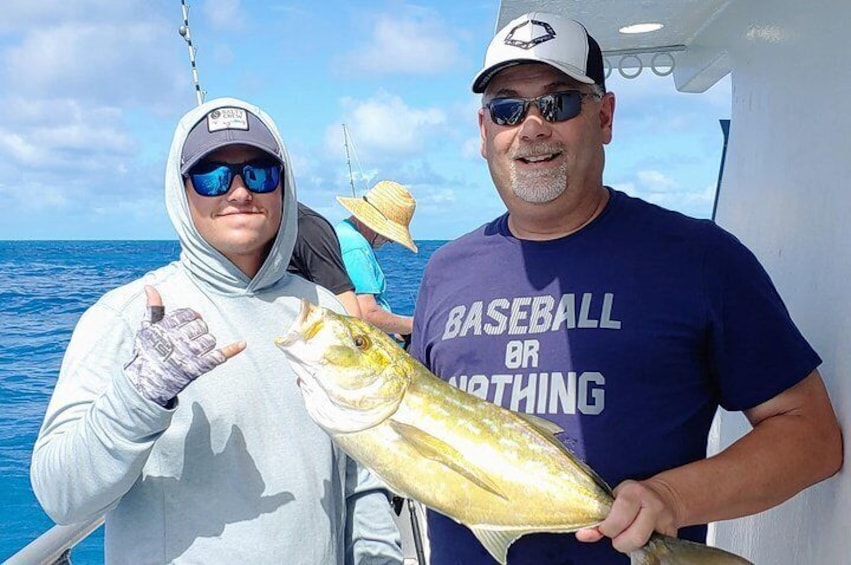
54,546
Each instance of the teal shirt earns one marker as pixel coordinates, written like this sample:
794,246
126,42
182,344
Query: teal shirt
361,263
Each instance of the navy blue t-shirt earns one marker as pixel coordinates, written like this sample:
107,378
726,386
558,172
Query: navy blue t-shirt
628,334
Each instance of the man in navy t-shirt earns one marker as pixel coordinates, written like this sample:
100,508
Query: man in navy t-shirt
626,324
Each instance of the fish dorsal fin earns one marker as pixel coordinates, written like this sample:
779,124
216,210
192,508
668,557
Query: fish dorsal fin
600,481
439,451
496,542
549,428
542,424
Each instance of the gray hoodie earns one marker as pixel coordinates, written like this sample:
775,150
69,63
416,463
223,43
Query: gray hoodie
236,471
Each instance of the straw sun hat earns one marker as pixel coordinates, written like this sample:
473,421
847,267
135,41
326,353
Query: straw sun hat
387,209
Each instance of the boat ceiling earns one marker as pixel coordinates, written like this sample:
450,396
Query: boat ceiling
683,19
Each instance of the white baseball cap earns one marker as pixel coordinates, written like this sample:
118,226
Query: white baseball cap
539,37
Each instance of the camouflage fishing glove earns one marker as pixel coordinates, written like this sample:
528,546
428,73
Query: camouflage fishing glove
171,352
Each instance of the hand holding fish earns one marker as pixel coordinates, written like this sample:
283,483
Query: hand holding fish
639,509
172,350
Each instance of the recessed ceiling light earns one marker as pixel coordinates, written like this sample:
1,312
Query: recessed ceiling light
642,28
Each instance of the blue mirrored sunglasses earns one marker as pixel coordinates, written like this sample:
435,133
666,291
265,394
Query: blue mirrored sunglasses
554,107
214,179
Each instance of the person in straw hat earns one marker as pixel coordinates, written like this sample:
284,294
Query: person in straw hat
382,214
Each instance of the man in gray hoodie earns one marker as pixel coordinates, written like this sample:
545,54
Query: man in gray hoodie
198,452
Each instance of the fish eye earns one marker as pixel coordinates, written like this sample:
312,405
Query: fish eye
361,342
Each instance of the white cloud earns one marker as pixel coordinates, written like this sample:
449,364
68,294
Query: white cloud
656,181
384,127
25,14
53,134
661,189
694,202
625,187
19,196
434,198
412,44
471,149
92,90
120,63
123,53
76,75
18,148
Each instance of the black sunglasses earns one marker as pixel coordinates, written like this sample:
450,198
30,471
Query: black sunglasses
214,179
554,107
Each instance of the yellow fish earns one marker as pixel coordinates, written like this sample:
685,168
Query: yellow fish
500,473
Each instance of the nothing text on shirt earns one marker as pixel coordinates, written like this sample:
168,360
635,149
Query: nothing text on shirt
540,393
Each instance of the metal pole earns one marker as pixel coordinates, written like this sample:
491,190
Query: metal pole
725,129
54,546
415,529
348,160
184,32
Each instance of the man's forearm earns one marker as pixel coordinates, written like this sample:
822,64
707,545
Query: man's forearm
784,453
386,321
350,302
389,322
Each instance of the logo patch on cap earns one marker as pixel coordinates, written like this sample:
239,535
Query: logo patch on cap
227,118
535,33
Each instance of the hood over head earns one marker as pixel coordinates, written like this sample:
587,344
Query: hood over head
255,128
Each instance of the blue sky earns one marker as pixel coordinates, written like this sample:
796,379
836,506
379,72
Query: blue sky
92,90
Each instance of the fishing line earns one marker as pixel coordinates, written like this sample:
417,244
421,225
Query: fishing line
348,141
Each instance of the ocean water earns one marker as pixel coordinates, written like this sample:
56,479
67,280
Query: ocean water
44,288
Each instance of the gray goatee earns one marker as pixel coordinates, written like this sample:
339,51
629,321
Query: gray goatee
540,185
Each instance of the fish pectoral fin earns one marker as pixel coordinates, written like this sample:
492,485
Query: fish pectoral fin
497,542
437,450
541,424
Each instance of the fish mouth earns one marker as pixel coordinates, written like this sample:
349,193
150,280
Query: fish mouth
293,343
295,333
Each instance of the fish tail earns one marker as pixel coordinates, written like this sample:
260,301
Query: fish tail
665,550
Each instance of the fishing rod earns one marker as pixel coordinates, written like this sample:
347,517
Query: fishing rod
349,160
184,32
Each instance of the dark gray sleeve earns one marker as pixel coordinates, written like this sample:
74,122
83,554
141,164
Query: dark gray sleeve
317,255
